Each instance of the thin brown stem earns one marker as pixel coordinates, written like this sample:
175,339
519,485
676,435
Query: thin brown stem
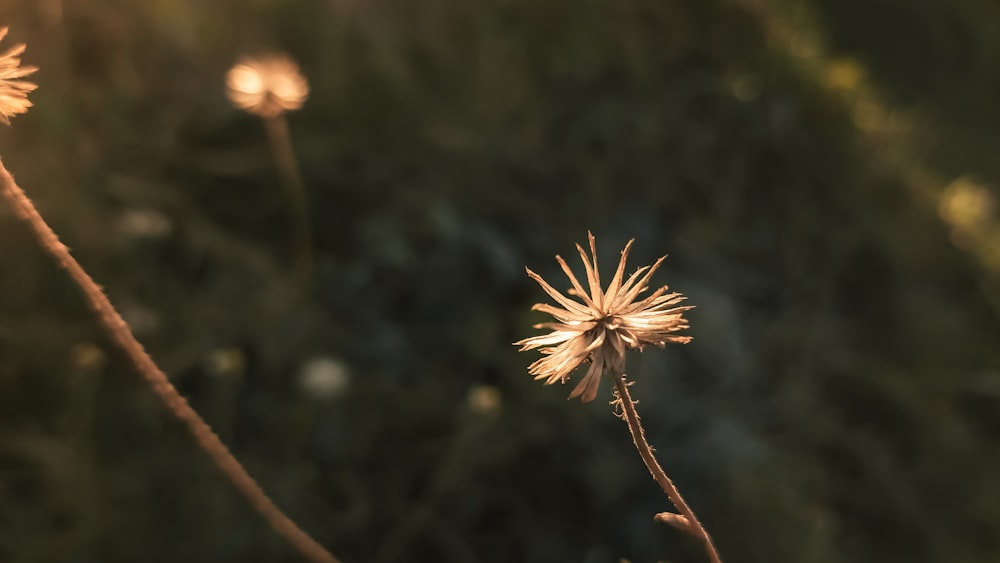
280,139
686,520
122,336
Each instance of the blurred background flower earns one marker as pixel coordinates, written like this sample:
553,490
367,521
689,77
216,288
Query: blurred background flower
267,86
324,378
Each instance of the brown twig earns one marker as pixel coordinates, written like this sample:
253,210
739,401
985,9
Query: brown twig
121,334
685,521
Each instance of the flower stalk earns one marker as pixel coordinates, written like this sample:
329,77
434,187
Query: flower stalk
686,521
269,87
599,329
280,139
122,336
14,101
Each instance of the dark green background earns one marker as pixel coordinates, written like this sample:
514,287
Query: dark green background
840,401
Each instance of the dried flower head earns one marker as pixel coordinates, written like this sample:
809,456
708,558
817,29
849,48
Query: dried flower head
13,92
602,325
268,86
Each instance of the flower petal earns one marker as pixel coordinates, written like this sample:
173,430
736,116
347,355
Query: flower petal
616,281
593,276
574,327
545,340
626,297
588,386
566,302
576,284
561,314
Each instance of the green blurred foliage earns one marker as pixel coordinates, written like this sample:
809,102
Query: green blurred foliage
839,402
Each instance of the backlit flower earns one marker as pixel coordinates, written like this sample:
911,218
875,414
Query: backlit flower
268,86
602,325
13,91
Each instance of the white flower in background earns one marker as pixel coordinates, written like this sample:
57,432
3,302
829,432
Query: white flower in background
324,378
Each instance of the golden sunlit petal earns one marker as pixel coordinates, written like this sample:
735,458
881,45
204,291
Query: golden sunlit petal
593,277
553,338
616,282
573,327
566,302
588,386
560,314
576,283
599,298
643,305
639,286
14,92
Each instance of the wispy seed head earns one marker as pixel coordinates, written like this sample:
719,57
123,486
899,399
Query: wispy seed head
601,325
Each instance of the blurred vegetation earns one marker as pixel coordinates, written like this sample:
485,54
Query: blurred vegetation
822,173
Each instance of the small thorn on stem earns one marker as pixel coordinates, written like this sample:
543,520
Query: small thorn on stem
676,520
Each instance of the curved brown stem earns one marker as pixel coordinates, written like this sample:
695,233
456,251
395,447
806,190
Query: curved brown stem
121,334
686,520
